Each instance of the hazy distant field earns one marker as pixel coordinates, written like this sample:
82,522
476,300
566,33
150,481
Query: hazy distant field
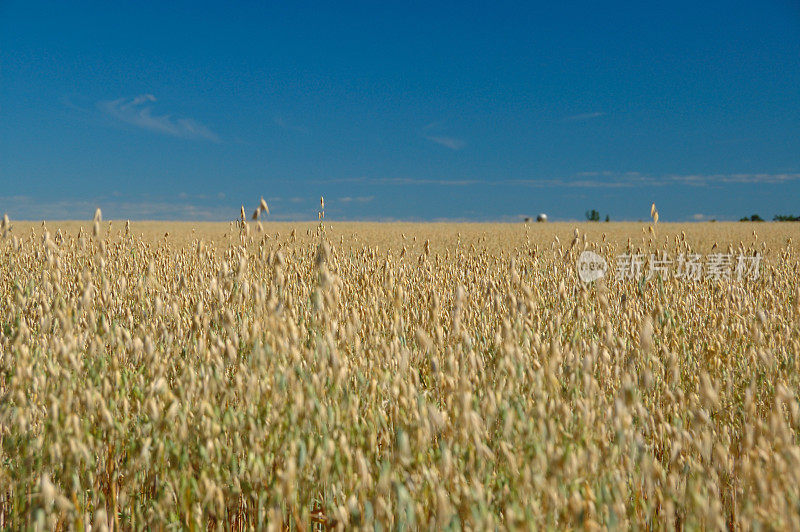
422,375
491,236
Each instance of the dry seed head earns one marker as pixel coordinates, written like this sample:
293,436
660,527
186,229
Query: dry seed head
48,490
646,334
100,520
708,393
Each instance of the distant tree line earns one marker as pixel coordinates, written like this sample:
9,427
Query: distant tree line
594,216
777,218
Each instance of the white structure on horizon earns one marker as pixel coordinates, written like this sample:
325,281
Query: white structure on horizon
541,218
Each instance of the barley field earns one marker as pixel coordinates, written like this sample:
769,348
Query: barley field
396,376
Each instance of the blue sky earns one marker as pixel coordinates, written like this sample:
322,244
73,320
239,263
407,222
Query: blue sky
412,111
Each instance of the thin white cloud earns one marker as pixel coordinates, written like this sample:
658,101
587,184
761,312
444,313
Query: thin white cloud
192,207
139,112
608,179
114,208
406,181
604,179
357,199
762,178
436,133
583,116
433,125
448,142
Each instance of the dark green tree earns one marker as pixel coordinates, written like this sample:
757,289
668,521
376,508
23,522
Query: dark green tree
593,215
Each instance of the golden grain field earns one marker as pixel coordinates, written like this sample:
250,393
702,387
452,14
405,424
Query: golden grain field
417,376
